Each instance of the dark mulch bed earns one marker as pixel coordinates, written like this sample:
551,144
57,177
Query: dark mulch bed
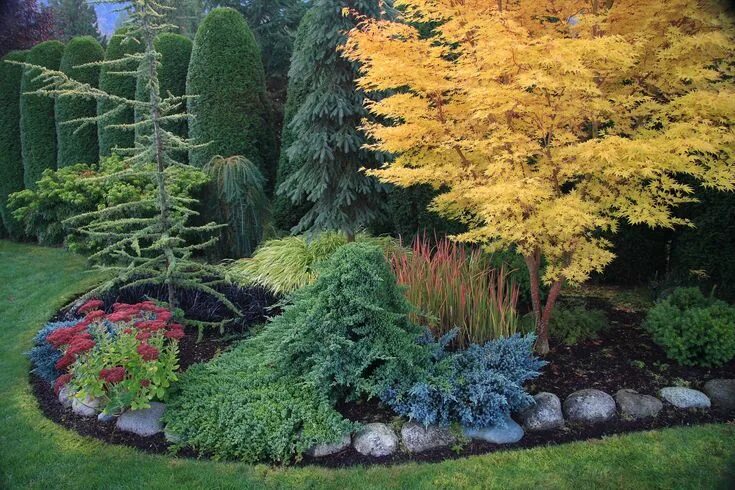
622,357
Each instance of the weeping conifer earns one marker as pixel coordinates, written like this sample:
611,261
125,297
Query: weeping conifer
328,146
78,145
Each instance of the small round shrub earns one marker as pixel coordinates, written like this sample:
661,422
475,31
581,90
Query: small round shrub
37,123
11,157
43,355
574,324
693,330
75,144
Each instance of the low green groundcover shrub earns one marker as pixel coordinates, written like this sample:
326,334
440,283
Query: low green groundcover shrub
287,264
82,188
693,329
575,323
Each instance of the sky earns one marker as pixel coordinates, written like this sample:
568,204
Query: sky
106,17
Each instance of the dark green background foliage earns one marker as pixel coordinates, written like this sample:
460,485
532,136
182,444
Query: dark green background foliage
693,329
11,160
73,18
78,146
37,126
123,86
409,214
286,214
175,51
229,112
349,331
325,128
572,323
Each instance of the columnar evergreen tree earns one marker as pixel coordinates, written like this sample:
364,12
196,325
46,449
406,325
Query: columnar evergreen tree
78,145
72,18
327,139
114,129
37,127
175,52
286,214
11,159
230,110
143,248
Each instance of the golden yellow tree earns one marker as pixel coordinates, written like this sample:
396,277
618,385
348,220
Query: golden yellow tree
549,122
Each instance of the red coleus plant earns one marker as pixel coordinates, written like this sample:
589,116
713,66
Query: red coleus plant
125,357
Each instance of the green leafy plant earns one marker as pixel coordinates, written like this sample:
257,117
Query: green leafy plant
693,329
453,287
574,324
237,187
287,264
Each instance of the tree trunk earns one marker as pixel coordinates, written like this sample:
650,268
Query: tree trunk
541,312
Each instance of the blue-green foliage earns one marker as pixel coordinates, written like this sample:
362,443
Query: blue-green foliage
693,329
43,355
476,387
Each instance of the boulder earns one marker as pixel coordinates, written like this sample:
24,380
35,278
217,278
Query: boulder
66,398
633,405
417,438
681,397
321,450
545,414
722,393
145,422
589,406
505,432
86,408
105,418
376,439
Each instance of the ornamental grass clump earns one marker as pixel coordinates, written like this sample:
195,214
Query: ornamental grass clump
453,287
125,358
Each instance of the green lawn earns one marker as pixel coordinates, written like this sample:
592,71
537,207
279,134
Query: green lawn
35,453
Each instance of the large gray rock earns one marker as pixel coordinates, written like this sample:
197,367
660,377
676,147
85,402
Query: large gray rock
589,406
145,422
506,432
66,397
722,393
635,406
105,418
376,439
86,408
545,414
322,450
681,397
417,438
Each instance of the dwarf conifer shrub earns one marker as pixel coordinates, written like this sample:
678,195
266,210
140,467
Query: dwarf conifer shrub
576,323
11,157
78,144
693,329
43,355
37,126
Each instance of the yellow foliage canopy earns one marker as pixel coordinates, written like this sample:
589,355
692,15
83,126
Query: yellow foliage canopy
548,122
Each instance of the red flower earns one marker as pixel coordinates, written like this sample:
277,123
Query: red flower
143,335
61,336
147,305
147,352
94,315
163,316
65,361
120,316
61,381
113,375
79,345
145,382
176,332
92,304
128,331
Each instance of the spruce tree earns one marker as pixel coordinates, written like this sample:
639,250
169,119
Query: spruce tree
11,159
73,18
327,140
230,110
115,128
37,127
78,145
144,249
286,214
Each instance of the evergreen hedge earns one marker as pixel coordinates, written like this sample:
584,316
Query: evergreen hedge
37,124
78,145
123,86
11,159
230,110
175,52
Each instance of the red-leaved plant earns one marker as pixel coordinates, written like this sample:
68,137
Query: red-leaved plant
124,358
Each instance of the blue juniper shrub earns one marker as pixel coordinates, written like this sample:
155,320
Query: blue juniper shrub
476,387
43,355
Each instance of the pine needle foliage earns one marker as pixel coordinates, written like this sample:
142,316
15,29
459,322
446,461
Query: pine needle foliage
238,188
78,145
11,159
144,249
37,127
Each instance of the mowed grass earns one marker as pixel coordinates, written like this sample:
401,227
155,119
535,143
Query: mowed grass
36,453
